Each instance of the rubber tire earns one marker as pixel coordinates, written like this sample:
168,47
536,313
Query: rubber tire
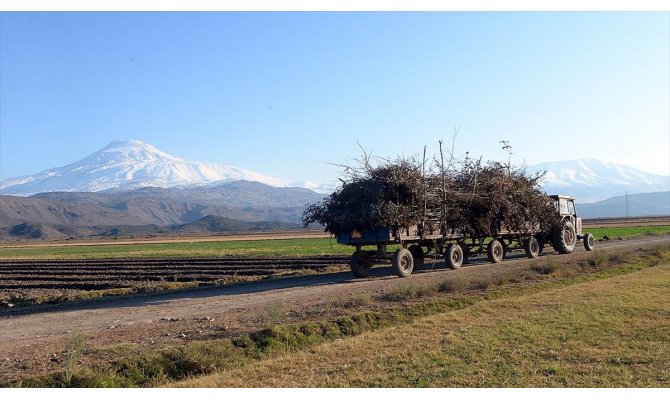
360,264
589,242
417,255
402,263
559,235
453,256
540,242
531,247
495,252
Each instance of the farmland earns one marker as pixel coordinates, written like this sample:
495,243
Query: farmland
49,274
181,249
45,281
293,244
226,300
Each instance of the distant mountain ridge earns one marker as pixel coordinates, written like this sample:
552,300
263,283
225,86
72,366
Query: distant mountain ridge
239,206
634,205
591,180
240,200
210,224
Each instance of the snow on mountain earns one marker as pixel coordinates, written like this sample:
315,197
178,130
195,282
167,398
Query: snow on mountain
592,180
324,188
130,164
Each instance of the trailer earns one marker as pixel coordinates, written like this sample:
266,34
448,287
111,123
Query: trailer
425,239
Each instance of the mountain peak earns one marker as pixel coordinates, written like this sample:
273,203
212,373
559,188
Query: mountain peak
126,165
121,151
125,144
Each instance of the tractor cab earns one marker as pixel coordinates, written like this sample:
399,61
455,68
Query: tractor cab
569,231
565,206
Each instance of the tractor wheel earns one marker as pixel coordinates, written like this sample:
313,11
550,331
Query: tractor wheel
589,242
453,256
495,251
531,247
417,255
360,264
564,238
402,262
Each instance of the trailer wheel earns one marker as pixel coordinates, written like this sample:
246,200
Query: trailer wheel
417,255
589,242
402,262
360,264
532,247
453,256
564,238
495,251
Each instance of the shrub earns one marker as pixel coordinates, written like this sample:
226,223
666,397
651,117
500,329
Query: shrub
406,291
547,266
481,284
71,356
597,259
275,313
453,285
360,300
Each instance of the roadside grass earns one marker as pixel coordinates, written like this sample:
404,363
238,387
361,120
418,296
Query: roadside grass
276,247
546,265
599,333
409,290
573,327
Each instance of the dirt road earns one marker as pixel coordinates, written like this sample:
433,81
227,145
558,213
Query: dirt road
31,339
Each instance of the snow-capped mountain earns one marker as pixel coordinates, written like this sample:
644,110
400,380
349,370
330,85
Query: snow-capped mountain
130,164
592,180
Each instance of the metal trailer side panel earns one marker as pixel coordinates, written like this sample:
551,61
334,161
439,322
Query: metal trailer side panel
381,235
388,235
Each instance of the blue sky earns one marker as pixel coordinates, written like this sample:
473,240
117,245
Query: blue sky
289,94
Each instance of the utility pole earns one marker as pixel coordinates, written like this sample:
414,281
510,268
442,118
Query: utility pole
626,203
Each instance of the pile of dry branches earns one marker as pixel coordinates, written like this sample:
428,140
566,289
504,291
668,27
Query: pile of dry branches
494,197
467,197
384,195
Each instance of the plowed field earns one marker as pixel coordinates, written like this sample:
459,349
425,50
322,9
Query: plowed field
49,280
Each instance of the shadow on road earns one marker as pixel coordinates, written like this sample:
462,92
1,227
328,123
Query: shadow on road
382,271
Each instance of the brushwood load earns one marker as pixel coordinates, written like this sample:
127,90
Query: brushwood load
446,210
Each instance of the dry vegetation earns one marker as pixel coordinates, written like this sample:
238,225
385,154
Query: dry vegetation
470,197
592,321
600,333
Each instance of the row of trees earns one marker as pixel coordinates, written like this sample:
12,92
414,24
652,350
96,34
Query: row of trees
471,197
